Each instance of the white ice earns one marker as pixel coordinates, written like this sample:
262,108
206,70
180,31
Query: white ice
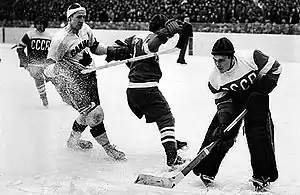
35,159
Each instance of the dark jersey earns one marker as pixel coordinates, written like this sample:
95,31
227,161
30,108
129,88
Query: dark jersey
37,45
147,70
247,71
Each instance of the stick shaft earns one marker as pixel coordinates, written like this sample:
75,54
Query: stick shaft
206,150
116,63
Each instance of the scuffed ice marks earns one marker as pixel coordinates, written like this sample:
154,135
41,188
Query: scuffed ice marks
62,184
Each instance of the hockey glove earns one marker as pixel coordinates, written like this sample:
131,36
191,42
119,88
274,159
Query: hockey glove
117,53
173,26
219,133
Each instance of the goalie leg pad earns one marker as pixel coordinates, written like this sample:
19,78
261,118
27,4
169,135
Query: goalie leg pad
95,116
258,107
260,141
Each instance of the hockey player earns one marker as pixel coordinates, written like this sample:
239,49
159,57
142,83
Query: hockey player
69,53
37,42
239,82
143,95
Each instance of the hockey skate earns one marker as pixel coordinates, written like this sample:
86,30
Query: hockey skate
207,180
76,143
260,185
173,159
112,152
45,101
181,145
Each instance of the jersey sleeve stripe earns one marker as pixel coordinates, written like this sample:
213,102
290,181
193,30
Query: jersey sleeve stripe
267,66
146,48
276,68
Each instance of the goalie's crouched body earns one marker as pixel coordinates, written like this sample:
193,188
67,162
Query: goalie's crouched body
238,82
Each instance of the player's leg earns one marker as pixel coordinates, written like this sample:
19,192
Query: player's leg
209,166
37,74
74,140
60,85
94,118
135,97
259,131
157,110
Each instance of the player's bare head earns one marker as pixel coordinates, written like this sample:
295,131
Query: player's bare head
157,22
223,52
76,16
41,23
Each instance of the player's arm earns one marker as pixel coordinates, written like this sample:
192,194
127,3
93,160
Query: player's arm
269,70
114,52
98,48
171,28
24,42
224,105
224,111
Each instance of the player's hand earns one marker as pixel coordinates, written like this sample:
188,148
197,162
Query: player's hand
174,26
219,133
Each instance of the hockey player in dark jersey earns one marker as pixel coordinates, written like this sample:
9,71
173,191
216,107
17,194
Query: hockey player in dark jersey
143,95
69,54
239,82
37,42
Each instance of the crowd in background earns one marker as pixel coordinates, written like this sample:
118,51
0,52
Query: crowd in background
247,15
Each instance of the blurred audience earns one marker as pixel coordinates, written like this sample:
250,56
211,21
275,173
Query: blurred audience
251,16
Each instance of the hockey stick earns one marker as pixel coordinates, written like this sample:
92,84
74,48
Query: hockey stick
165,182
13,47
88,70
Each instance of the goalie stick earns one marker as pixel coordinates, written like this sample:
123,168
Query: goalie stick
171,182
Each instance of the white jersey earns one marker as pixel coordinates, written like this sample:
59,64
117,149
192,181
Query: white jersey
73,48
247,70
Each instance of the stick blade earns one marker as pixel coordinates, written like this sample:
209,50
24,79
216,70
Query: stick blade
151,180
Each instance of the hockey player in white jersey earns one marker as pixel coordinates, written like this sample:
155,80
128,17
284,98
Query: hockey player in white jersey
239,82
69,54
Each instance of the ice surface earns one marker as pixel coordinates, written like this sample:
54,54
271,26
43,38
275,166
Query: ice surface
35,160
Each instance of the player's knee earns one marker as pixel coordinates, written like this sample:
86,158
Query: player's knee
166,121
95,116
